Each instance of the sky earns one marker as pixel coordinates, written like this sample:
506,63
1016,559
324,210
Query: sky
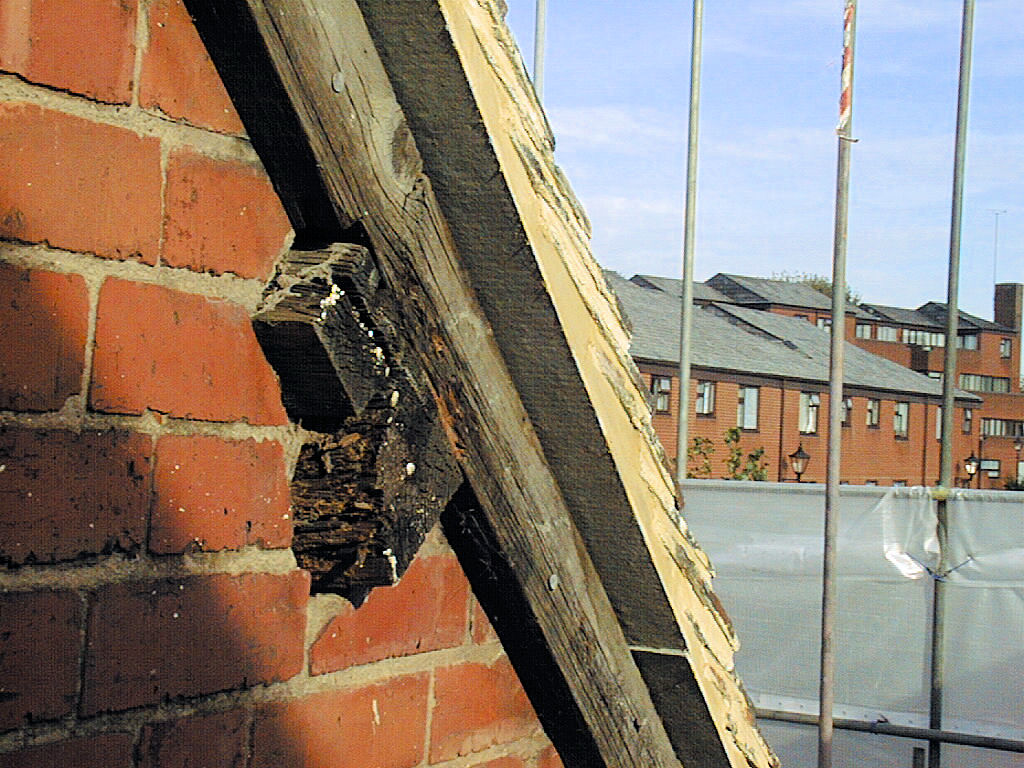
616,91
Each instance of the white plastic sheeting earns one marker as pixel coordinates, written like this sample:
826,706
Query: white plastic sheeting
765,541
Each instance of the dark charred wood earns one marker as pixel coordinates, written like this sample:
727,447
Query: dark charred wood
372,483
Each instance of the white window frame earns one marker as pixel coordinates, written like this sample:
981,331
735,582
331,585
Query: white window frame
661,394
747,400
705,402
874,412
901,419
810,404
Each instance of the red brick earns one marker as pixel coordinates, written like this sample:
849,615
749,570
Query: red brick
213,494
221,216
380,726
108,750
425,611
78,185
45,317
83,46
180,354
64,494
178,76
151,641
482,630
549,759
41,638
214,741
478,706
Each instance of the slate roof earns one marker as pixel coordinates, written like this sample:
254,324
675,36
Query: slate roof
673,286
936,310
739,339
742,289
900,316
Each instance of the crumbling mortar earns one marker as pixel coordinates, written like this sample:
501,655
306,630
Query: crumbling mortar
141,122
94,269
101,570
141,46
72,418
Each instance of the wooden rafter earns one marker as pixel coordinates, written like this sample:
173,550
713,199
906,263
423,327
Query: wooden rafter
416,134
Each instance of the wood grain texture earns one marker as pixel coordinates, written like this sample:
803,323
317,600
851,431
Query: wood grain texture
372,171
377,470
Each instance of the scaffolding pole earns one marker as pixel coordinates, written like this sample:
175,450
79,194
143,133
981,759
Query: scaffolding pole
539,43
937,671
689,225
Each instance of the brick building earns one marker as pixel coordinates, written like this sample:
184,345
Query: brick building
765,370
278,486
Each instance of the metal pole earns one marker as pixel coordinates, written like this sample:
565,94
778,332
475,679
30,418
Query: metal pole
995,245
689,222
539,36
826,691
936,672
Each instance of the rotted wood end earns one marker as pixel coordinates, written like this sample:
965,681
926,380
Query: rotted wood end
377,470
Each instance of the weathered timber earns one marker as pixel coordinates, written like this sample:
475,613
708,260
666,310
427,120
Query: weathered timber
372,170
378,470
523,244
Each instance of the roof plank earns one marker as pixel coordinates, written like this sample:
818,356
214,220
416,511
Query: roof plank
371,169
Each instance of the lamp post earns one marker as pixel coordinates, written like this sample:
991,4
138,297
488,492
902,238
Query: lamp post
971,465
798,461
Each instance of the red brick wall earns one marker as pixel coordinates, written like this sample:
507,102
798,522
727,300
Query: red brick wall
869,453
151,612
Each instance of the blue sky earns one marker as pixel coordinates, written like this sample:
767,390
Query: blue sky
616,90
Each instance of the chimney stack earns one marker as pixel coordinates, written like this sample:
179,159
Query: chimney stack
1008,305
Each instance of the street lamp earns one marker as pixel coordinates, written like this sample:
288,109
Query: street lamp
798,461
971,465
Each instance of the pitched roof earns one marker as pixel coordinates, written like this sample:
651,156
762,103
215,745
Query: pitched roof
743,289
673,286
744,340
936,310
931,315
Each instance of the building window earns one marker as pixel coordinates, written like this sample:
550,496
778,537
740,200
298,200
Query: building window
847,411
802,317
746,408
968,424
899,483
874,408
809,404
887,333
1005,346
705,398
924,338
870,482
938,422
863,331
900,419
661,389
824,322
992,466
1002,428
967,341
977,382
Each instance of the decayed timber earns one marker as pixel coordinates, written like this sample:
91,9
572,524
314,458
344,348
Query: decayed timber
336,85
470,105
521,343
377,470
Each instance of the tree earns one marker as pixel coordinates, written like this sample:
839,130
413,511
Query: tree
700,449
820,283
739,467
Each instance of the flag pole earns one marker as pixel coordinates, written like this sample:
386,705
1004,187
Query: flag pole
826,692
